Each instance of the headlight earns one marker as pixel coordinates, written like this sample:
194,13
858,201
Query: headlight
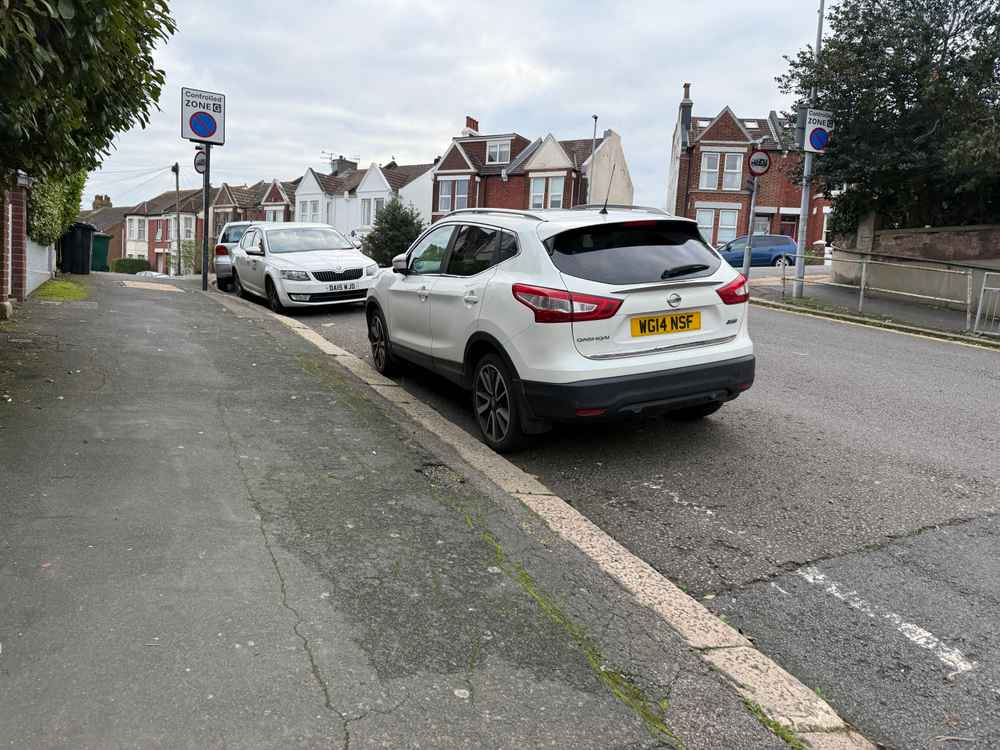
371,270
295,275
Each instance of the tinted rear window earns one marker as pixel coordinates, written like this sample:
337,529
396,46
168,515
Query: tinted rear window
234,234
633,252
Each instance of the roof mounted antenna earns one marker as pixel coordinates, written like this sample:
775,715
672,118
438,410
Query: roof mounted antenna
604,208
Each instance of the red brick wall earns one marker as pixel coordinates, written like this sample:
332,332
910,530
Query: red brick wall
777,189
454,160
510,194
18,200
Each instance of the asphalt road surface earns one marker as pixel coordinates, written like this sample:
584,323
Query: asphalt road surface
841,514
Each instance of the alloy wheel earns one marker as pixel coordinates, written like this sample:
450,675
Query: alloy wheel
376,335
492,402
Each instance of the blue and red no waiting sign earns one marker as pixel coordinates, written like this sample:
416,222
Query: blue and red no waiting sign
202,124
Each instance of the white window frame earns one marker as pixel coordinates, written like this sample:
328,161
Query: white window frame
462,198
444,195
189,227
704,183
159,231
558,202
314,211
706,228
732,176
378,205
724,215
274,214
540,202
500,147
131,228
366,212
141,230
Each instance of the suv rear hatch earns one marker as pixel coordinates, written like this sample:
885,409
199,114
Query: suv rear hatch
666,277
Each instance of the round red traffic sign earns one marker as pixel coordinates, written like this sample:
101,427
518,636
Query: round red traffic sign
200,161
759,163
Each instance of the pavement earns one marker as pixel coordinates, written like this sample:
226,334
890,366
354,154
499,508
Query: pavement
842,513
765,284
214,536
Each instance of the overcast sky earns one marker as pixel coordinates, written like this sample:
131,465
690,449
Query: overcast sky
396,78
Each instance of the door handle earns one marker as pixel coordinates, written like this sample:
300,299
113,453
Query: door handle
422,293
470,298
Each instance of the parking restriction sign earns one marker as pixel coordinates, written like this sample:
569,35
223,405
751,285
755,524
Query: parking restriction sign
819,125
203,116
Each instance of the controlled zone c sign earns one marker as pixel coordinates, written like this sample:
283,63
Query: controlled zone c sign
203,116
819,125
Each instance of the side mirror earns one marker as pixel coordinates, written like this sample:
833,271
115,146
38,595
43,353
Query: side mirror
399,264
356,242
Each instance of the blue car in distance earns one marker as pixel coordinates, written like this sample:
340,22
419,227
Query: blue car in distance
767,250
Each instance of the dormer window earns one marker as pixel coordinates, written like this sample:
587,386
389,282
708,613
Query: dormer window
497,152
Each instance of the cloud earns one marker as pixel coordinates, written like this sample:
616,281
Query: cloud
395,78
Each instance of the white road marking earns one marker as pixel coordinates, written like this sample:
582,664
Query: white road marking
951,657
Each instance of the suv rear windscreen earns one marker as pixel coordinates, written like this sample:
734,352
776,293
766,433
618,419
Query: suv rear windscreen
633,252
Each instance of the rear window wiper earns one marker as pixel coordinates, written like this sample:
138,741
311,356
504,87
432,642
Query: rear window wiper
683,270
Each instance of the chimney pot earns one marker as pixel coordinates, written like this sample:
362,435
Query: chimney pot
687,90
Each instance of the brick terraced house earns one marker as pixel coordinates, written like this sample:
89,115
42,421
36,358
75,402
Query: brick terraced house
708,179
506,170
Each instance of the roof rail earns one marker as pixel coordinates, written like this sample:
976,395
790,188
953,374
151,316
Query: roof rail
618,206
502,211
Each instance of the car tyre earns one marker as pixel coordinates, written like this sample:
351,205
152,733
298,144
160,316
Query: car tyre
781,260
273,300
694,413
496,405
238,286
381,346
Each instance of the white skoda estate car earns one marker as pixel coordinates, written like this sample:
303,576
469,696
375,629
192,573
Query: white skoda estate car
300,265
579,314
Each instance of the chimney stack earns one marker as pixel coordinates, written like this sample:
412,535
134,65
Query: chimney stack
471,126
101,201
684,115
340,165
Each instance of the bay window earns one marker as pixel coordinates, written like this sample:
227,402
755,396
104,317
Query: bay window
444,195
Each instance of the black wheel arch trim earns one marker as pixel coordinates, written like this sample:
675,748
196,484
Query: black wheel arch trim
482,337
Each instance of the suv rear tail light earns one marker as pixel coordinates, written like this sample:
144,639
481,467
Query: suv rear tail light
560,306
735,292
221,250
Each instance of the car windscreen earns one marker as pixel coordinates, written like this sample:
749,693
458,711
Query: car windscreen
234,234
633,252
305,240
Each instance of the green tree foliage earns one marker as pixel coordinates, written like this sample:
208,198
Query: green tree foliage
914,86
54,206
395,229
73,73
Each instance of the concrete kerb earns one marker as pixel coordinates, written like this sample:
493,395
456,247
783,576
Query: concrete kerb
753,675
927,333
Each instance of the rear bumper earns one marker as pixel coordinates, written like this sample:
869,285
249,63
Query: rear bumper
632,394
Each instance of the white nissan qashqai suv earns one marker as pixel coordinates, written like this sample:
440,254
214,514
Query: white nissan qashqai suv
560,315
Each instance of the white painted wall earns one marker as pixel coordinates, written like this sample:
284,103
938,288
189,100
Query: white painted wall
41,264
420,195
610,153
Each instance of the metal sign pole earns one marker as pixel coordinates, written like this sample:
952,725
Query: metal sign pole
753,210
204,223
800,261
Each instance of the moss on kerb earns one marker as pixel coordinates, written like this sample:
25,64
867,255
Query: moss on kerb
779,730
653,713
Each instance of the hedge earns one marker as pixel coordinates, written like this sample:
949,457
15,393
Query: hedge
130,265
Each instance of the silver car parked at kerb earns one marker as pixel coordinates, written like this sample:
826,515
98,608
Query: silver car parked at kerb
229,238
